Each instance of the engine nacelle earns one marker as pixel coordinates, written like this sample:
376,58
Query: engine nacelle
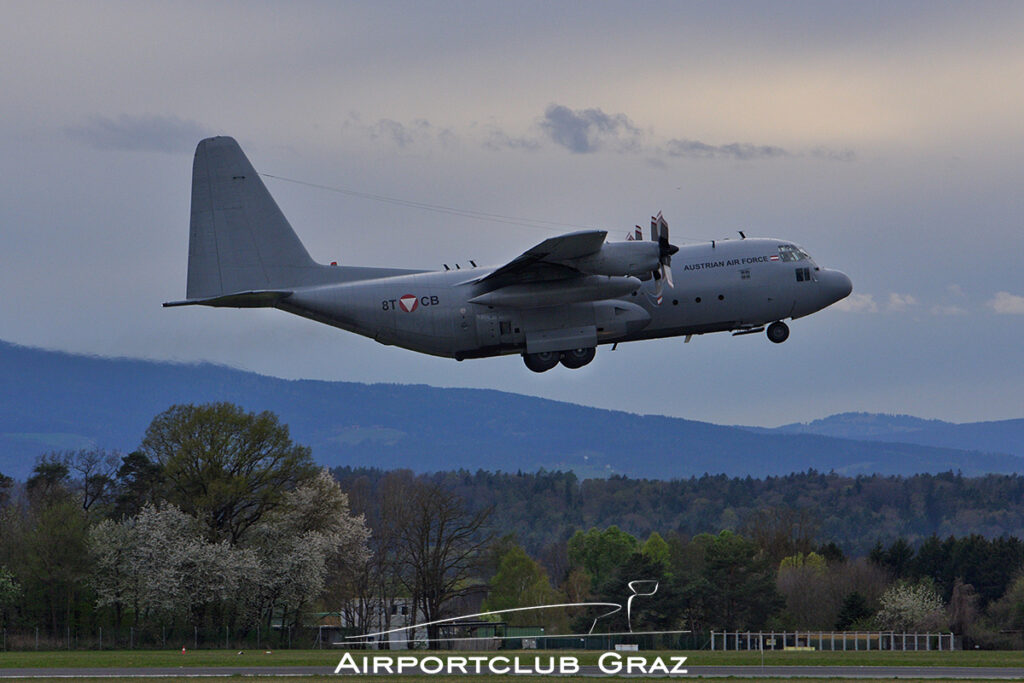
637,259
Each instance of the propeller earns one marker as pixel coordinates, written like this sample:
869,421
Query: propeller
659,234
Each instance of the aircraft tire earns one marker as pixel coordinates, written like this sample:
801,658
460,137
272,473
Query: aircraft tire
577,358
541,362
778,332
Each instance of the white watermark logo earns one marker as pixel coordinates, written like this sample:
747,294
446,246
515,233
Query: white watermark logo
609,663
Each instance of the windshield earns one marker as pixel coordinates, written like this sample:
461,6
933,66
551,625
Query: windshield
788,252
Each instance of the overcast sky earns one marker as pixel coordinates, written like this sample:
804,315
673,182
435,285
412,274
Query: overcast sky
885,138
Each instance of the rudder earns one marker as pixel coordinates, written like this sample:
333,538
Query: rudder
238,238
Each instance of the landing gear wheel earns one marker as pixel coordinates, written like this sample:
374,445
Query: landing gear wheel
541,362
577,358
778,332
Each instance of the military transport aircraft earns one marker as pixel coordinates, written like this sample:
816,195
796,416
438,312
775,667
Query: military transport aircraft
553,304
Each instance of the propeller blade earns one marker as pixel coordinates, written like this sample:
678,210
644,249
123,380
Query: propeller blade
666,274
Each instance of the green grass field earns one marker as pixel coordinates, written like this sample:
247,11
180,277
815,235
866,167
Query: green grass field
435,679
174,658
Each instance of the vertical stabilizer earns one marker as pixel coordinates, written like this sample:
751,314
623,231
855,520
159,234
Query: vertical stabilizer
238,238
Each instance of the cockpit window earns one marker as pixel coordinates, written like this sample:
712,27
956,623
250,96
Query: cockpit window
788,252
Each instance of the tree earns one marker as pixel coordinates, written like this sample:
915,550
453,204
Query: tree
50,478
600,552
97,470
300,541
160,562
963,607
5,487
225,466
853,610
655,603
736,585
442,541
521,582
909,607
55,558
656,549
138,484
10,591
804,581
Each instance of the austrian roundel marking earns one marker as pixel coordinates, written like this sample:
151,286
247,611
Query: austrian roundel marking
409,302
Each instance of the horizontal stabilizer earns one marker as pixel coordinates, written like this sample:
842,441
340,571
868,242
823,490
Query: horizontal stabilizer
255,299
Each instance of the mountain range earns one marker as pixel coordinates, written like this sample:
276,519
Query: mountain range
55,401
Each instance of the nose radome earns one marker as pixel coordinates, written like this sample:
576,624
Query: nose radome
837,284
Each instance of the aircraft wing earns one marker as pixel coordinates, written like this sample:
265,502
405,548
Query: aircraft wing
547,257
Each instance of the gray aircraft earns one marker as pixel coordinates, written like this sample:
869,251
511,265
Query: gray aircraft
555,303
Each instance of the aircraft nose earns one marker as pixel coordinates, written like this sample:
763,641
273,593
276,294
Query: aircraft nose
835,284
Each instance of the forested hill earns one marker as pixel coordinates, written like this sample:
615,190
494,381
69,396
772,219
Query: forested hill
545,508
56,401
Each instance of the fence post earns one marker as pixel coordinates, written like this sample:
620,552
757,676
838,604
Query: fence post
195,635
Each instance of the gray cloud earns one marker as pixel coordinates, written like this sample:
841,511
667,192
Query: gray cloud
584,131
588,130
498,139
145,133
402,135
743,151
833,154
393,131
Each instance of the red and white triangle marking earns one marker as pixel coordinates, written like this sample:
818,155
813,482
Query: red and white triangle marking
409,302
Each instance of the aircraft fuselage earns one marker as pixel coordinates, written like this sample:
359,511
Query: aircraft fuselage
722,286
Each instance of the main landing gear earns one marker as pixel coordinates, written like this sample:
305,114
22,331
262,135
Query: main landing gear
778,332
576,358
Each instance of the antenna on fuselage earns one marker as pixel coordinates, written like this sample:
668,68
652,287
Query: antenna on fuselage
742,236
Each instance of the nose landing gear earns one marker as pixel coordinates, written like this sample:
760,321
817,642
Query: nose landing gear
576,358
778,332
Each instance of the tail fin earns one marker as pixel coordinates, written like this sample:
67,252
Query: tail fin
239,240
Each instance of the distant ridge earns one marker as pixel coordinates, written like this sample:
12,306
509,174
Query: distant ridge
56,401
1003,436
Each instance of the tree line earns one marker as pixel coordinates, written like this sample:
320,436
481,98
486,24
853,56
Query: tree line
219,521
854,512
766,563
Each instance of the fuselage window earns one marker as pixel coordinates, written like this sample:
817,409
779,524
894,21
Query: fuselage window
803,274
